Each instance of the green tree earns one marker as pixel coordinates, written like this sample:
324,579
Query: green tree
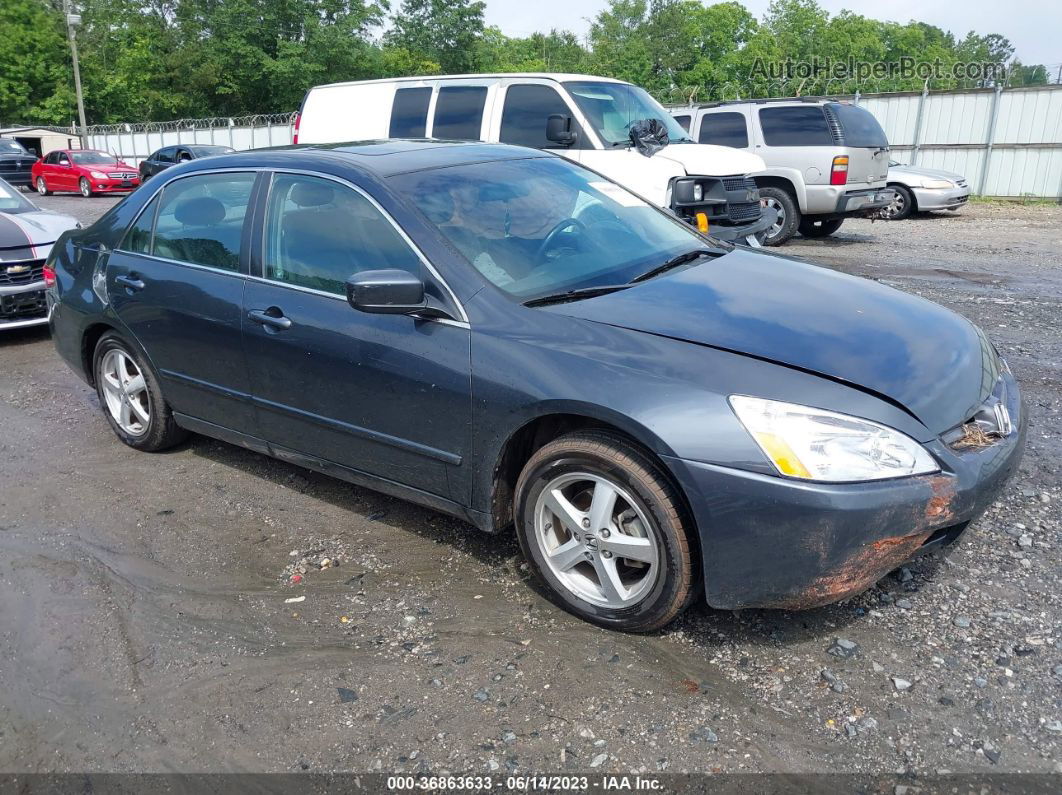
36,79
445,31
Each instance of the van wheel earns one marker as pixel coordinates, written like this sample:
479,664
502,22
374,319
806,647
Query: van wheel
131,398
782,202
604,531
812,228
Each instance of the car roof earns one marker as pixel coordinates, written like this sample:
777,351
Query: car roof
558,77
383,158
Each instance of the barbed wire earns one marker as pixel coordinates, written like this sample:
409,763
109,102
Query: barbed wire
212,123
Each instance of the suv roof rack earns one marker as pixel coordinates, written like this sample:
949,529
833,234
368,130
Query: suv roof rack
721,103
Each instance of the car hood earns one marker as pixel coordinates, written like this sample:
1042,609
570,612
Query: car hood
905,349
917,171
711,160
22,230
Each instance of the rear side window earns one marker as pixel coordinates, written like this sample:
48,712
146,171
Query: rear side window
724,129
524,115
320,233
459,112
409,112
684,122
795,126
859,126
138,237
201,218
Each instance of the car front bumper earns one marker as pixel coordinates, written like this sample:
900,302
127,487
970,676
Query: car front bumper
934,199
22,306
778,542
114,185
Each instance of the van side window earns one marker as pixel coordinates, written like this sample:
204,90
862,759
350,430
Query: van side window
795,126
527,107
724,129
320,233
684,122
409,112
459,112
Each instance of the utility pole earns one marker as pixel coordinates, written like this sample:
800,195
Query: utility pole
72,21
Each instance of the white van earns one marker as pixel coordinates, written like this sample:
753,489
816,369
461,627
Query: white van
586,119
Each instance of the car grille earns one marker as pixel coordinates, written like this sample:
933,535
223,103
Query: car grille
122,175
739,183
12,273
744,211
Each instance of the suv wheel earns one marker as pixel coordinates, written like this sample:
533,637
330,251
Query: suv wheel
131,398
603,529
812,228
782,202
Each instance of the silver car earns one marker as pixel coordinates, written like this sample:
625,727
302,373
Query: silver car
923,190
26,237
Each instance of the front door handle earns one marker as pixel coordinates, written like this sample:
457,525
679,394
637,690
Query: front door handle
130,282
271,317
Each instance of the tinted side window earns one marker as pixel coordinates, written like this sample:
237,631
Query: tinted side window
409,112
794,126
138,237
164,155
459,112
525,112
724,129
684,122
319,233
201,219
860,127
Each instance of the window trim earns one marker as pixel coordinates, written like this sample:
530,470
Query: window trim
259,199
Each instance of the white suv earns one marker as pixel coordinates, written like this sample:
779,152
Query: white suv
585,119
826,160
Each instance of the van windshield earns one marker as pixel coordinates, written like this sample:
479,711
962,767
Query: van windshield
611,109
860,127
539,226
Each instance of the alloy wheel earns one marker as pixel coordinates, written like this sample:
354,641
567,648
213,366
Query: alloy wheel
42,187
86,188
779,224
125,392
596,540
895,208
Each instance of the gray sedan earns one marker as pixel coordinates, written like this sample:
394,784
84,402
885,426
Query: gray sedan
922,190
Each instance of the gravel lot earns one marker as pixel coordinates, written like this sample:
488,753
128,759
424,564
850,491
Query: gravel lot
144,625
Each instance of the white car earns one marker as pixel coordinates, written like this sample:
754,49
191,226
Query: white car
27,234
583,118
923,190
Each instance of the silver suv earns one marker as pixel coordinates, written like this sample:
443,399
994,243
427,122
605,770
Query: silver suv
826,160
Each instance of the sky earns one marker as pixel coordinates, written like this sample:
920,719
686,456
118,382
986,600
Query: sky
1033,26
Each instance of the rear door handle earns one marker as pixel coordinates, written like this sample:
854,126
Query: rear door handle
270,317
130,282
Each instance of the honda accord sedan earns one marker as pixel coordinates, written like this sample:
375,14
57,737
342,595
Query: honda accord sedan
502,335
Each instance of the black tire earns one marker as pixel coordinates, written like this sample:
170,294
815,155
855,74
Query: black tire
788,207
85,187
903,207
610,456
162,431
809,227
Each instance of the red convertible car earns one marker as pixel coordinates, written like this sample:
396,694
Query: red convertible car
85,171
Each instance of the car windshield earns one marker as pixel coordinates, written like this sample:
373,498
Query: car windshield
207,150
543,226
92,158
611,108
13,202
12,148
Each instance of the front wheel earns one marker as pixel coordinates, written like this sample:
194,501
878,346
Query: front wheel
811,228
42,187
785,225
604,530
901,207
131,397
85,187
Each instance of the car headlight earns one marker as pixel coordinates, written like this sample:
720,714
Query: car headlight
938,183
97,175
815,444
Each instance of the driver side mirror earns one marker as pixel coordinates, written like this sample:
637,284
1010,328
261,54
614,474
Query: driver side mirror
386,292
559,130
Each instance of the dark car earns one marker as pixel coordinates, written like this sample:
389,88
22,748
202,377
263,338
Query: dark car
163,158
15,163
502,335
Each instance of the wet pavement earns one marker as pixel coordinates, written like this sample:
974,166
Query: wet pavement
145,621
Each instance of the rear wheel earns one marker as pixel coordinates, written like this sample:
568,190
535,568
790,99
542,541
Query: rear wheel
604,530
901,207
42,187
811,228
782,202
85,187
131,398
